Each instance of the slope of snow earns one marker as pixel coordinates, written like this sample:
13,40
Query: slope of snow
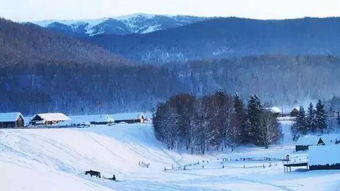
56,159
90,22
287,133
151,29
133,16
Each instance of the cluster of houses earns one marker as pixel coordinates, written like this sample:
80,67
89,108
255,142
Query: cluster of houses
17,120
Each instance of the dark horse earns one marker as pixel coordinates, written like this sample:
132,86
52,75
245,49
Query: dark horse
93,173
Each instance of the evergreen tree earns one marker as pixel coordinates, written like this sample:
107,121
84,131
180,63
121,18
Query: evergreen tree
240,121
300,126
320,117
254,116
311,127
338,119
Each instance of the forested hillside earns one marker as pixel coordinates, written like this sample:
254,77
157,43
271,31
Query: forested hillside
44,71
280,80
79,89
228,37
29,44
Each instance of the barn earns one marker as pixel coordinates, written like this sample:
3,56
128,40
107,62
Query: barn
11,120
324,157
48,118
129,117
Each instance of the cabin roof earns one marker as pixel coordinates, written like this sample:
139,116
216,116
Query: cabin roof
109,117
313,139
275,110
52,116
9,117
127,116
323,155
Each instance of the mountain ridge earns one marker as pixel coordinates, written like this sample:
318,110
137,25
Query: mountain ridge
228,37
29,44
121,25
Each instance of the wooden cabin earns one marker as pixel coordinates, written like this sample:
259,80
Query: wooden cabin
11,120
129,118
100,119
294,112
48,118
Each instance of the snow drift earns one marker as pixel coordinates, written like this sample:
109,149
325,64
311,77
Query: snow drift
56,160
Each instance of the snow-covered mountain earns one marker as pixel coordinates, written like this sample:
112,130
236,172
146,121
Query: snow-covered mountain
129,24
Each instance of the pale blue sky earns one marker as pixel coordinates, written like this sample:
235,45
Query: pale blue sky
32,10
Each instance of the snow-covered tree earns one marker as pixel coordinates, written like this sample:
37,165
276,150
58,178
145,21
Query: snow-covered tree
240,122
213,122
320,117
310,120
270,128
254,117
300,127
338,119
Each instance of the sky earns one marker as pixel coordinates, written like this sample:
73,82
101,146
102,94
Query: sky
34,10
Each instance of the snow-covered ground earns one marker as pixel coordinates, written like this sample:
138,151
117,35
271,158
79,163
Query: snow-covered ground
56,159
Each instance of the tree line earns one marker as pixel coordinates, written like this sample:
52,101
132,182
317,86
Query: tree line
315,120
214,122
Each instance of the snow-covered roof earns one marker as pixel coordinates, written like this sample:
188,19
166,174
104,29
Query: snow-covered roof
109,117
323,155
8,117
313,139
127,116
89,118
52,116
275,110
297,108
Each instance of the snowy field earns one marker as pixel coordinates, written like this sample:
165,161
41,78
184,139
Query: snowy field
56,159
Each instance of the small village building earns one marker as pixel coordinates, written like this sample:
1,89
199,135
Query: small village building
303,143
48,118
110,119
100,119
324,157
294,112
274,110
11,120
129,118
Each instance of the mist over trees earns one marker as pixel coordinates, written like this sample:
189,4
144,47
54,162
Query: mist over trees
214,122
280,80
78,89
